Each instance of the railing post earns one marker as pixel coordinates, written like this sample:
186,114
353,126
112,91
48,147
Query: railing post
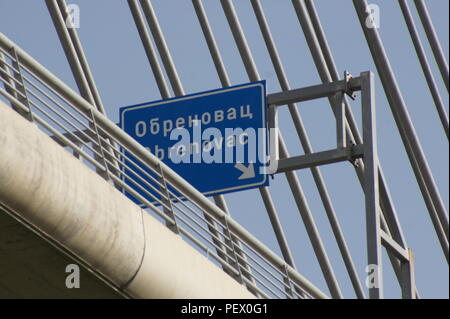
168,211
21,88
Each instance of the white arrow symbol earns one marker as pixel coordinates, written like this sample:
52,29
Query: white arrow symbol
247,172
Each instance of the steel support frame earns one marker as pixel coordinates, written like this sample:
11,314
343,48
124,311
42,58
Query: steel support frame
418,161
326,67
367,151
343,152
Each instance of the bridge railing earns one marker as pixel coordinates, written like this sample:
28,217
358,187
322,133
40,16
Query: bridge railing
100,144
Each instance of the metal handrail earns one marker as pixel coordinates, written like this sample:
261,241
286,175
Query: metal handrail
103,155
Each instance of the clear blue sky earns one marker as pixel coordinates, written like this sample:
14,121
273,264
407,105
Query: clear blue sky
123,77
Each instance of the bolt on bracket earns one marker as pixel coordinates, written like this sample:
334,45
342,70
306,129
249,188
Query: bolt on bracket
348,90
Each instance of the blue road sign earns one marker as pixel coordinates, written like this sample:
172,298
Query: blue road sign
216,140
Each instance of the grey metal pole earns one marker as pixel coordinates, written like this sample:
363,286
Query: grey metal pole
371,187
211,42
308,220
162,47
433,39
412,145
149,49
425,65
278,230
70,51
82,58
301,131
